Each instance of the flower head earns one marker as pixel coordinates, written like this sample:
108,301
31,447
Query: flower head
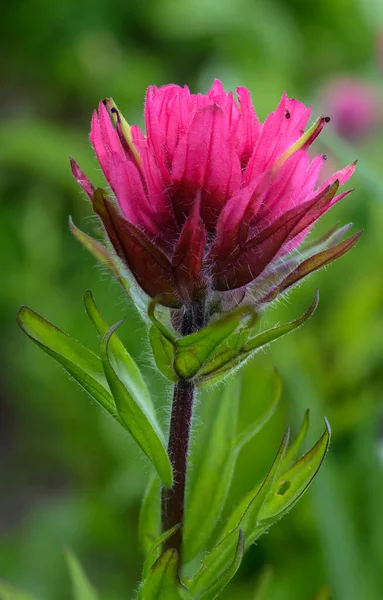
211,200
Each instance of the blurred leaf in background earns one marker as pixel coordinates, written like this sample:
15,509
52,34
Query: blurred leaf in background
69,476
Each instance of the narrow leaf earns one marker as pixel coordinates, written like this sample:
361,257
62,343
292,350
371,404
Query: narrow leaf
141,425
123,363
251,430
82,364
210,478
215,590
8,592
155,550
163,581
217,563
291,484
311,264
82,589
100,252
149,522
295,447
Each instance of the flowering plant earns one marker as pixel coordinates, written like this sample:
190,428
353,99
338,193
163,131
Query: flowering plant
204,228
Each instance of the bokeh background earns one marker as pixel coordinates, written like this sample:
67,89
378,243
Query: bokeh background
68,476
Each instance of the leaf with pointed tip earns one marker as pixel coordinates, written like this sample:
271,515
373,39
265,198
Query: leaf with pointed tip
163,352
249,522
82,364
295,447
143,427
149,522
311,264
215,564
100,252
123,363
291,484
163,580
155,550
8,592
236,351
210,478
215,590
82,589
194,350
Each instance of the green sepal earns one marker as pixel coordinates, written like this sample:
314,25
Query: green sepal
140,423
163,353
125,366
100,253
82,364
193,351
238,349
8,592
163,580
218,563
82,588
149,521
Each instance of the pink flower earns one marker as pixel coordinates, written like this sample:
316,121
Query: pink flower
354,106
211,199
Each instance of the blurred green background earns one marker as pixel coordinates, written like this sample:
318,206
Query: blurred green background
69,477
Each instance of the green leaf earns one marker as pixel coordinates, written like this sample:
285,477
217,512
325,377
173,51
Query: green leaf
218,563
323,594
245,515
163,581
149,522
137,420
238,349
255,427
215,590
210,478
8,592
291,484
155,550
123,363
82,589
163,352
295,447
100,252
82,364
263,584
192,351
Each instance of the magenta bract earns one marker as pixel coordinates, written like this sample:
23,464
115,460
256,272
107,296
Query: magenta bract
211,198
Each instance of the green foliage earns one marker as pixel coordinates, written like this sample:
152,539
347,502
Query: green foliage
8,592
82,589
120,389
163,580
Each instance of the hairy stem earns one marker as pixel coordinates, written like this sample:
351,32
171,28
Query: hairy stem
173,500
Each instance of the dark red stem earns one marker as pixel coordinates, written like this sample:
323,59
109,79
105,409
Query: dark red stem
173,500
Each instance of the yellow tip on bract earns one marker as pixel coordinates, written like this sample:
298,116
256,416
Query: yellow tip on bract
299,144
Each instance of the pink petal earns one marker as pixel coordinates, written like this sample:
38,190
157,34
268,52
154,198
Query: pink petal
206,160
81,178
281,129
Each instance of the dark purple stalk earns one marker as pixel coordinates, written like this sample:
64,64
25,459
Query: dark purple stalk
173,500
